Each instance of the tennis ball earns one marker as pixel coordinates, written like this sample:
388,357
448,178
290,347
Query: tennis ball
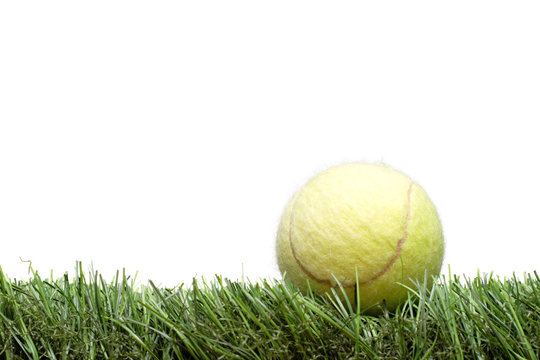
362,220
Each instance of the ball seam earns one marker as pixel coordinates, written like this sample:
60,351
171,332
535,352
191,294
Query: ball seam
327,282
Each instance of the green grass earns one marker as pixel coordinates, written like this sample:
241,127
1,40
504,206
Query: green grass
86,317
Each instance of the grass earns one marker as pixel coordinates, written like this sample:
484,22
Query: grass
87,318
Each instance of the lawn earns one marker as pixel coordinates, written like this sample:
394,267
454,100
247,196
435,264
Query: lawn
86,317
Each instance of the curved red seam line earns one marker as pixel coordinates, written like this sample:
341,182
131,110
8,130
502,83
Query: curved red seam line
380,273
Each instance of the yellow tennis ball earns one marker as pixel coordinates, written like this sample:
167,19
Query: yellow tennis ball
360,219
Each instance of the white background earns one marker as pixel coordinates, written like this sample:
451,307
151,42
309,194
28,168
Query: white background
167,137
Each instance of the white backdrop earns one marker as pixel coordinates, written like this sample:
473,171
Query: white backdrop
166,137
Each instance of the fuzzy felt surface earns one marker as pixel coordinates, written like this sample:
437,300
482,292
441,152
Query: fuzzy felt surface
361,218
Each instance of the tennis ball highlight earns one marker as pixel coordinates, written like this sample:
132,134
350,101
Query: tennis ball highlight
362,220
